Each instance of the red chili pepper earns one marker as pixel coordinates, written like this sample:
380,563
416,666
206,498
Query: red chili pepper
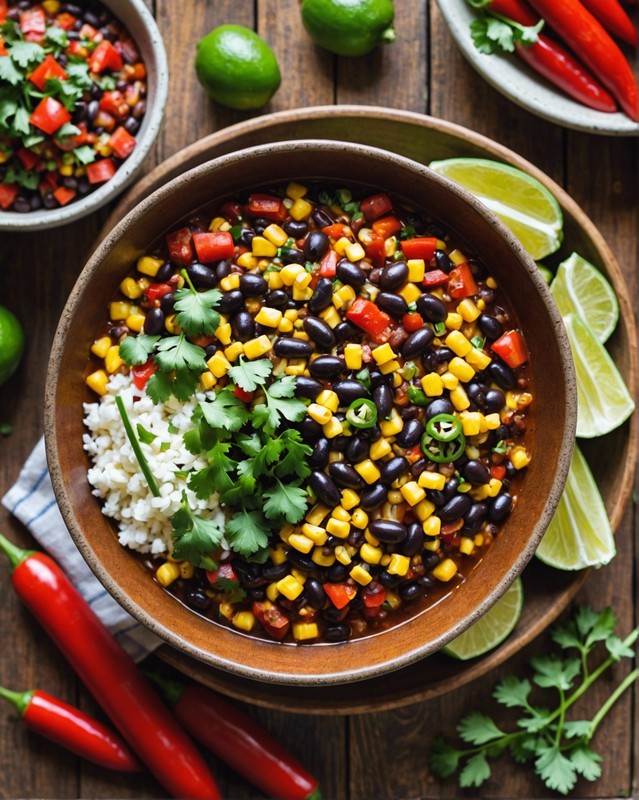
28,158
243,395
511,348
336,231
4,10
49,115
115,103
420,247
225,571
143,372
8,193
121,142
231,211
461,282
387,226
553,62
105,56
412,322
101,171
64,195
109,674
65,21
213,246
179,245
155,291
498,472
328,264
48,69
274,622
340,594
590,41
376,250
368,317
267,206
239,741
435,277
613,17
375,206
73,729
33,21
374,595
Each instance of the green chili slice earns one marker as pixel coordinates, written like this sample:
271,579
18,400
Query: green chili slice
362,413
444,427
443,452
417,396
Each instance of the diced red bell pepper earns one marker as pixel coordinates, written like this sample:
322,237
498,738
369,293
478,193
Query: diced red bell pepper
48,69
435,277
64,195
498,472
231,211
101,171
387,226
368,317
373,595
33,20
328,264
213,246
375,250
122,142
65,21
157,290
142,373
461,282
104,57
412,322
76,48
114,103
511,348
225,571
180,246
337,231
340,594
243,395
419,247
49,115
268,207
8,193
375,206
4,10
28,158
274,622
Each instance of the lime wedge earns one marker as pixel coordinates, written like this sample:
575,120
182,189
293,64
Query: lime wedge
579,288
603,400
579,535
491,629
520,201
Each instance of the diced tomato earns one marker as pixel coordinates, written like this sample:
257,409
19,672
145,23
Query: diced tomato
8,193
375,206
115,103
64,195
28,158
76,48
274,622
213,246
337,231
419,247
231,211
243,395
498,472
387,226
413,454
461,282
4,10
122,142
340,594
375,249
267,206
142,373
65,20
412,322
49,115
50,179
435,277
225,571
48,69
157,290
511,348
33,20
368,316
68,143
101,171
374,595
180,247
328,264
105,56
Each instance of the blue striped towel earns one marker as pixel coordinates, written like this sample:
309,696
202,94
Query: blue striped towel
32,501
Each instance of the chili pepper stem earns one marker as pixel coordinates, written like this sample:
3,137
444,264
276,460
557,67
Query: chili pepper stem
19,700
171,690
15,554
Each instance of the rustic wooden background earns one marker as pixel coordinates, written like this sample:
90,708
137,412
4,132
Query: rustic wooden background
381,755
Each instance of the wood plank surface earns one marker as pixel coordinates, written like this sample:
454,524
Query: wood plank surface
367,757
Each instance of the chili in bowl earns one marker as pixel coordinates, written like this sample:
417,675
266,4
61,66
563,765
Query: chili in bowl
336,384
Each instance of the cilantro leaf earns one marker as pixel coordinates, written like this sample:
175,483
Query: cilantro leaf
21,122
78,72
296,453
225,411
84,154
195,311
280,405
247,532
288,501
512,692
26,53
184,384
575,729
475,772
159,387
248,375
193,537
57,36
68,129
444,758
556,771
551,671
136,350
494,33
586,762
249,444
477,728
243,490
217,476
618,649
535,720
232,588
177,353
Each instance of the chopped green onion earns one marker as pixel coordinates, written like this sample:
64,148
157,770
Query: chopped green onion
141,458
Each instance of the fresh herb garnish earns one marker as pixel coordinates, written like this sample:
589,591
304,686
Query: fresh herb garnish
196,310
137,450
501,447
280,405
232,588
194,538
248,375
495,33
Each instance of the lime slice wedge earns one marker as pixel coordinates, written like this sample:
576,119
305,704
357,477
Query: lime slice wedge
579,534
520,201
579,288
603,400
491,629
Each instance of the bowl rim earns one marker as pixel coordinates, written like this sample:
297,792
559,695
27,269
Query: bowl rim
129,170
175,639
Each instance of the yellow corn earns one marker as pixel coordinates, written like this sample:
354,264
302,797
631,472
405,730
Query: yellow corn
341,554
328,399
51,6
449,381
223,333
207,380
331,316
303,631
332,428
323,559
491,283
445,570
218,364
453,321
359,518
383,354
466,546
341,245
269,317
432,480
148,265
432,526
457,257
468,310
261,247
398,565
338,527
112,360
290,587
226,610
389,366
410,293
478,359
320,414
353,356
432,385
458,343
370,538
354,251
494,487
131,289
361,575
98,381
379,449
230,282
290,272
244,620
519,457
492,421
344,296
394,497
300,209
459,398
171,325
135,322
101,346
471,422
424,509
317,514
296,190
368,471
234,351
301,542
392,426
219,224
416,269
349,499
275,235
187,570
340,513
316,534
413,493
167,573
277,554
256,348
461,369
119,310
248,261
370,554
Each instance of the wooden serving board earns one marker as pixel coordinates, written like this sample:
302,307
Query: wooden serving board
612,458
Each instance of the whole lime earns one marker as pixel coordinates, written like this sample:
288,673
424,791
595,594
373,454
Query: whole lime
11,343
237,68
349,27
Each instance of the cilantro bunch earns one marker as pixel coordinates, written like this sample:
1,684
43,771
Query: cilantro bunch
559,748
494,33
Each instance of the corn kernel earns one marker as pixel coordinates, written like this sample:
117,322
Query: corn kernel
148,265
410,293
341,244
226,610
302,281
478,539
340,513
316,534
432,480
432,385
359,518
269,317
370,554
256,348
218,364
248,261
113,360
468,310
491,283
416,269
302,631
230,282
379,449
272,592
331,316
332,428
413,493
207,380
300,209
466,546
461,369
457,257
494,487
338,527
383,354
368,471
459,398
492,421
453,321
261,247
119,310
360,575
317,514
328,399
353,356
171,325
471,422
101,346
98,381
394,497
219,224
389,366
349,499
135,322
296,190
131,289
223,333
323,559
519,457
449,381
445,570
390,245
398,565
167,573
51,6
244,620
290,272
275,235
290,587
341,554
392,426
424,510
344,296
432,526
277,554
458,343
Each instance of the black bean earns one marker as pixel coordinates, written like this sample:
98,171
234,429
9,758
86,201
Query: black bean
383,399
167,302
457,506
131,125
356,449
350,273
393,469
230,301
154,322
337,572
92,110
495,400
440,405
476,393
410,591
444,354
322,296
210,350
278,298
324,488
243,326
260,225
247,236
293,256
442,261
500,507
431,308
195,597
502,374
21,205
301,560
349,390
426,583
319,457
337,633
49,201
418,467
490,326
388,580
417,343
307,387
346,330
310,430
339,443
410,434
393,304
372,434
476,471
474,518
275,572
344,475
289,347
165,272
414,540
326,367
393,276
319,332
410,412
321,218
202,277
388,531
252,285
436,497
450,489
315,594
223,269
315,245
295,228
373,497
250,575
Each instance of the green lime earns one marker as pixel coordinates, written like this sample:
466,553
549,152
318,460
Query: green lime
349,27
603,401
519,200
237,68
11,343
492,628
579,288
579,535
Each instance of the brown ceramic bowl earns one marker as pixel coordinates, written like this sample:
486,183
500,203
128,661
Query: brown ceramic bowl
550,434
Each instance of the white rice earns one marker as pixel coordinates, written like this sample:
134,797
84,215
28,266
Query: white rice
144,520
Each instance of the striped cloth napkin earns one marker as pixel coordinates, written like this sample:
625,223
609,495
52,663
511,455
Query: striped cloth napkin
31,500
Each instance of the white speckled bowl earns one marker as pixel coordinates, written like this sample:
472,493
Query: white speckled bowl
138,21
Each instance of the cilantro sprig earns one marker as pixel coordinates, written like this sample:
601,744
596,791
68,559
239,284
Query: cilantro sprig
558,747
494,33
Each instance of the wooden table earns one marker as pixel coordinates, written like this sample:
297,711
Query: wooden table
381,755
